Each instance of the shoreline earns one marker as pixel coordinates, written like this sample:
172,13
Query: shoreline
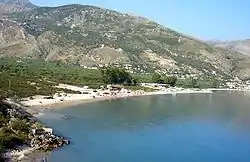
38,105
24,152
40,138
69,103
227,89
38,110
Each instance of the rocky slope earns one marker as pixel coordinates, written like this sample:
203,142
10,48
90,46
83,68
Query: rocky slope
9,6
242,46
88,35
21,133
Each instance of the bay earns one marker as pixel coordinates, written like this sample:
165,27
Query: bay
187,127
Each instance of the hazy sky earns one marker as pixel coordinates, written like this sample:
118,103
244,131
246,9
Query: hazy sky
204,19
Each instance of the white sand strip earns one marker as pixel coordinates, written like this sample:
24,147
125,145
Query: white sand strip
102,95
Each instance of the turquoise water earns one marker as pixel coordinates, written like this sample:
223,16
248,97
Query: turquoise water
187,128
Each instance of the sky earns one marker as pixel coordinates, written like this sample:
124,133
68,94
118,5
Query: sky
203,19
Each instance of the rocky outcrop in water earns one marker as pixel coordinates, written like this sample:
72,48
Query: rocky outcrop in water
21,133
46,141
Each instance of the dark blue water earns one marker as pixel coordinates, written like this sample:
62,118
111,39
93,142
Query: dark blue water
187,128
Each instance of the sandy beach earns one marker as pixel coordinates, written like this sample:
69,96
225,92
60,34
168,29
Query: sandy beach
91,95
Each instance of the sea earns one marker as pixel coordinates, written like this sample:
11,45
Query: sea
164,128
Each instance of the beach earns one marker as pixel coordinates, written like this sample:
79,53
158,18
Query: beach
36,105
93,95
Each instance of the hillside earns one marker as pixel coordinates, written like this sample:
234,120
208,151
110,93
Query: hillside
29,77
242,46
10,6
89,36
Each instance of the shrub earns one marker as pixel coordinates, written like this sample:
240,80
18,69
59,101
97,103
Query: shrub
3,109
94,86
20,125
8,140
116,76
156,78
3,120
171,80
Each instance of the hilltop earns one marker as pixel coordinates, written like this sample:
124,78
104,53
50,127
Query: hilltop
10,6
88,36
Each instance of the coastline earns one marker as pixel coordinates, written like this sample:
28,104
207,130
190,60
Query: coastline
228,89
36,108
24,152
52,104
40,138
38,105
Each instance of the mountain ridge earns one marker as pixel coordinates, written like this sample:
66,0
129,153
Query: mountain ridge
86,35
242,46
10,6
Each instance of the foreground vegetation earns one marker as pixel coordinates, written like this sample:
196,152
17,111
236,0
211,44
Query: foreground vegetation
12,132
19,128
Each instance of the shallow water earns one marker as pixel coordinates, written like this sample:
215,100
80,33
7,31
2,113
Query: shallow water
185,128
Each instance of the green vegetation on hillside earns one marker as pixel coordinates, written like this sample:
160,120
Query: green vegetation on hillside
198,83
25,78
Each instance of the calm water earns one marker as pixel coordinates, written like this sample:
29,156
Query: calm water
187,128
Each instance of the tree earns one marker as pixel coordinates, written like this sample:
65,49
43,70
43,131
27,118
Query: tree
116,76
3,109
215,84
194,83
134,81
156,78
171,80
20,126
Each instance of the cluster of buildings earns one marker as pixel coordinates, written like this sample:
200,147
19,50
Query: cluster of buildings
129,67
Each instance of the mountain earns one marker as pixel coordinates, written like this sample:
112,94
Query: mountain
9,6
242,46
88,36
